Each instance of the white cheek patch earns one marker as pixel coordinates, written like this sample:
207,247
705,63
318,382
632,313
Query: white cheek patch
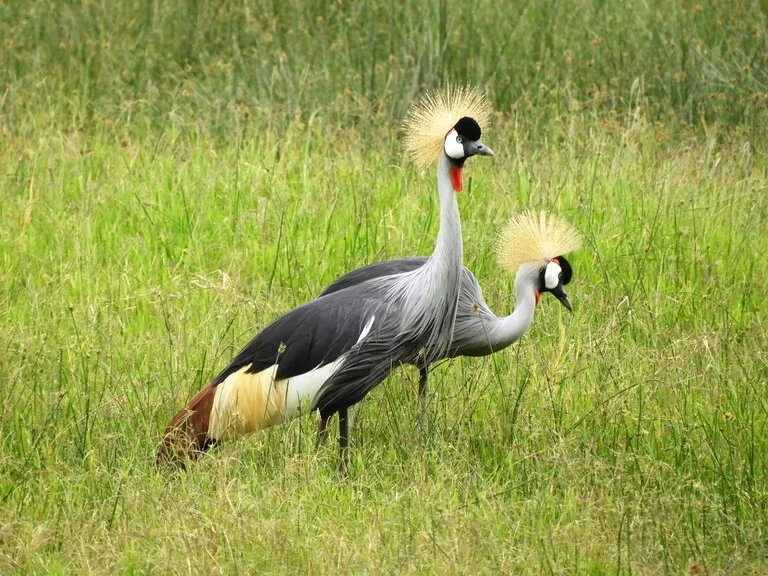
453,148
552,275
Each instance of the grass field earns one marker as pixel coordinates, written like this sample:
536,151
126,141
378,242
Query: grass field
175,176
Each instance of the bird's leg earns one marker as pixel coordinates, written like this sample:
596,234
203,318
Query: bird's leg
322,433
353,414
423,386
343,441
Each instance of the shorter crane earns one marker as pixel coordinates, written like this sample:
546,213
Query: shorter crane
531,246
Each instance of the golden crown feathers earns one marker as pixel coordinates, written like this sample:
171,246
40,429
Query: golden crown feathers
427,123
532,237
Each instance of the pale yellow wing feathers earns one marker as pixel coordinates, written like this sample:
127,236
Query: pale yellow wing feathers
246,402
535,238
427,123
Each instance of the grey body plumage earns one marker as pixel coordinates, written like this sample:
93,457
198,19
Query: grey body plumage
331,352
477,330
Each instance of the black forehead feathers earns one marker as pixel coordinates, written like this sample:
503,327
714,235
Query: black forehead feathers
567,273
468,128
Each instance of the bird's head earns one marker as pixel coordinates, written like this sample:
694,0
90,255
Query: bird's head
532,245
552,278
447,123
462,142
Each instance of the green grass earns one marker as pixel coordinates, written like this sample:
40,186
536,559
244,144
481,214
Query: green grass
167,195
89,63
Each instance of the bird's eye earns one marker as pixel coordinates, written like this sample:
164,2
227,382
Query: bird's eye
459,139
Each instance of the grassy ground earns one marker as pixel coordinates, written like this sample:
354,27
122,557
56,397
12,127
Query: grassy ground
158,208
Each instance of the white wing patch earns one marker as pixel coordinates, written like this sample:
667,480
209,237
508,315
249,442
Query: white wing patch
302,389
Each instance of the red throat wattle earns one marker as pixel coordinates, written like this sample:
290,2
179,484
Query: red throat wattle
456,179
538,297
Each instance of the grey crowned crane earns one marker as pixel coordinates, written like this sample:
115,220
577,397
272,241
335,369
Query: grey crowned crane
532,247
327,354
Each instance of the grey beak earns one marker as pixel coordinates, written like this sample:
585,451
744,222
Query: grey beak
560,294
477,148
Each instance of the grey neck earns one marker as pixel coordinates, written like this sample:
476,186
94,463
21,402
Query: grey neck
448,252
505,331
430,293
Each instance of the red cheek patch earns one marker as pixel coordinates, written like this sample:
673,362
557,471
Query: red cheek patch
456,178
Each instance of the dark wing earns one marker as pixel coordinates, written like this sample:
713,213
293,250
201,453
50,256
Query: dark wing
309,336
368,364
375,270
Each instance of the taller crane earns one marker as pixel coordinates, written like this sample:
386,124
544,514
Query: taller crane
327,354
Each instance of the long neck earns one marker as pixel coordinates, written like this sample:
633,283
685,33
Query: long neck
504,331
431,295
448,249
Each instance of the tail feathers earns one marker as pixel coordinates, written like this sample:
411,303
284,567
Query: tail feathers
187,434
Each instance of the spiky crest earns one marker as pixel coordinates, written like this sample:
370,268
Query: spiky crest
535,238
427,123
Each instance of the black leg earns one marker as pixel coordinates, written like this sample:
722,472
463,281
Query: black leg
343,441
322,433
423,385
